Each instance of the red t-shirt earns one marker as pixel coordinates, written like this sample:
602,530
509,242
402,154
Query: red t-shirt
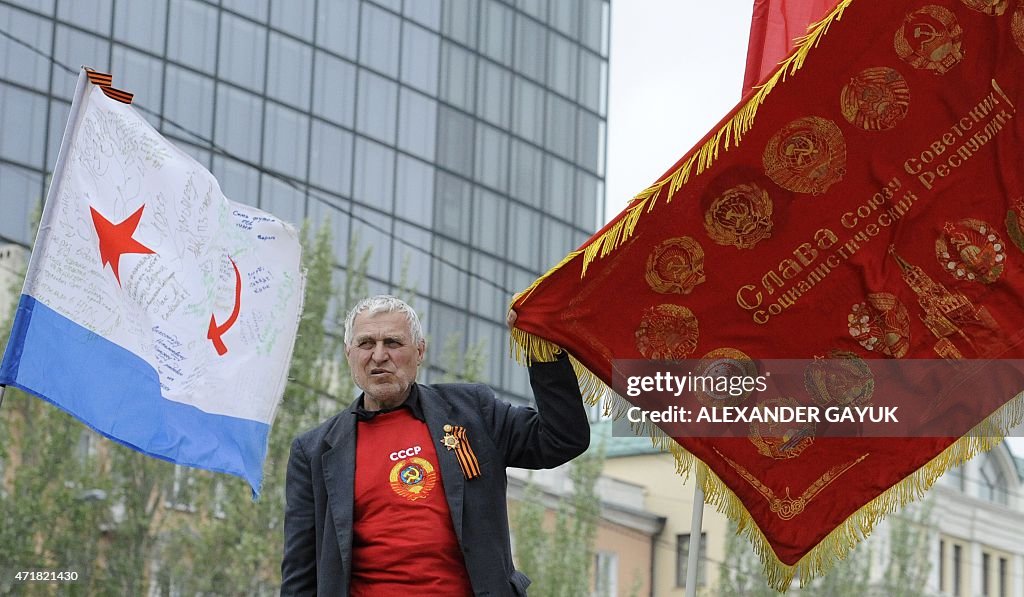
403,540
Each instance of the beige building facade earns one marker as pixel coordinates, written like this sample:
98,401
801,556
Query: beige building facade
974,524
669,495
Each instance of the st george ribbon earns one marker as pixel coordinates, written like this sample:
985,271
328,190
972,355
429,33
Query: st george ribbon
155,310
865,203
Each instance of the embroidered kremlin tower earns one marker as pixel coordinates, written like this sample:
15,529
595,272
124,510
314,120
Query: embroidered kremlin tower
946,313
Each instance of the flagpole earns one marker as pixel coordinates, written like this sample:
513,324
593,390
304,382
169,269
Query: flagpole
696,524
58,170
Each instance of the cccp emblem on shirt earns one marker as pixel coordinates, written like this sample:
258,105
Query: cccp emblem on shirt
413,478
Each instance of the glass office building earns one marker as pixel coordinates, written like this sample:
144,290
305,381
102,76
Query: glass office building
462,140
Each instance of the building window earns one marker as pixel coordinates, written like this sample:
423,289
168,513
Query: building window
460,21
986,572
192,34
958,570
188,101
560,126
955,477
994,571
337,26
289,70
330,158
424,12
942,565
993,481
683,556
180,493
90,15
334,89
496,36
1003,566
491,167
243,50
22,119
490,222
563,58
417,130
494,94
86,449
20,64
377,108
254,9
458,76
237,127
19,194
287,137
528,110
295,17
421,51
455,141
606,574
531,48
379,39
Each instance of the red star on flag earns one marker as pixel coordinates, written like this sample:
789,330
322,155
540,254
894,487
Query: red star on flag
116,239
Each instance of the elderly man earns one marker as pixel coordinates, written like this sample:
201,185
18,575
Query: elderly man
404,491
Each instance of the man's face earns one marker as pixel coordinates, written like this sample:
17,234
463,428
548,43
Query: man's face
383,358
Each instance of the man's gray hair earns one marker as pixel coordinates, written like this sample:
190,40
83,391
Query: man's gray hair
384,303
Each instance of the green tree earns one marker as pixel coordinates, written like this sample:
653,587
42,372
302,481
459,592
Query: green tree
560,560
740,572
909,565
50,493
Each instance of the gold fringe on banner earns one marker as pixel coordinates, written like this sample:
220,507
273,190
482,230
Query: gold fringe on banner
527,348
837,544
731,133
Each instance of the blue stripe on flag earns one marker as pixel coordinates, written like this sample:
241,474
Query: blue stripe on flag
118,394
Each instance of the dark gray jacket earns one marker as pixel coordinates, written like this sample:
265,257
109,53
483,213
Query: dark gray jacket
321,477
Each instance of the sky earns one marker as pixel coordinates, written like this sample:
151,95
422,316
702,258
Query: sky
675,69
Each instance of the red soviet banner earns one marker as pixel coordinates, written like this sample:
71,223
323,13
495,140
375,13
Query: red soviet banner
775,27
874,211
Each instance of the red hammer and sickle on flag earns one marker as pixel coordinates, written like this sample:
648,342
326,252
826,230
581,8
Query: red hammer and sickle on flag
215,331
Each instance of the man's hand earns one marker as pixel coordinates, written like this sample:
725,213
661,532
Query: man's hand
511,319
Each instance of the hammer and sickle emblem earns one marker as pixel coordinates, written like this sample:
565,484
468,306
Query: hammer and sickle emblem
926,31
801,148
412,475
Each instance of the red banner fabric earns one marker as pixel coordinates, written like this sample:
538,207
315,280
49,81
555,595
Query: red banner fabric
775,27
874,210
